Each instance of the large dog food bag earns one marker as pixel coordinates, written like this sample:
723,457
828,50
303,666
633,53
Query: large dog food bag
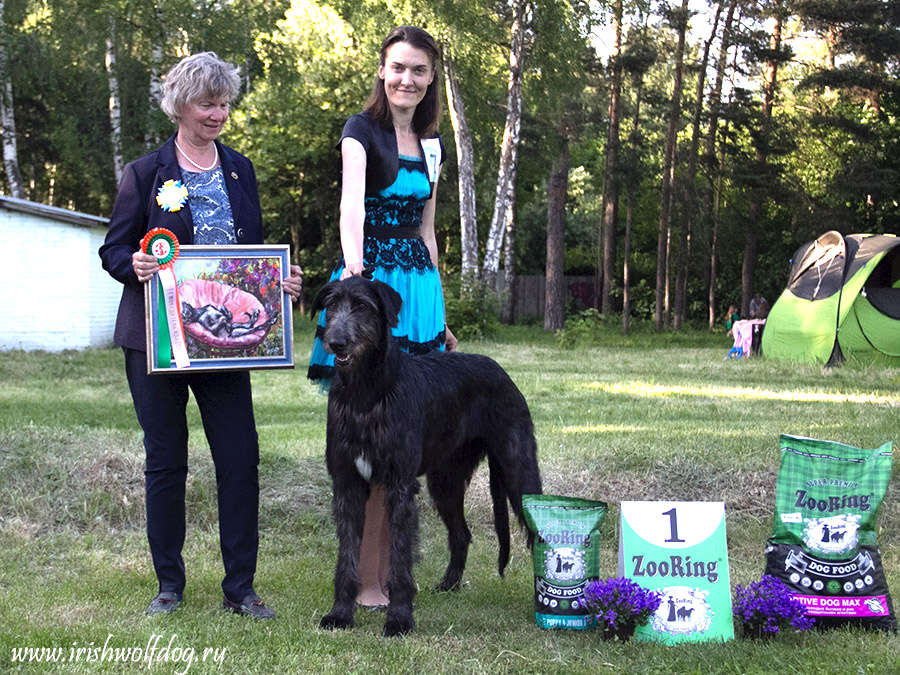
823,543
566,556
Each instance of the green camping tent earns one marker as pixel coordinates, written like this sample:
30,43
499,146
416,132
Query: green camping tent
842,300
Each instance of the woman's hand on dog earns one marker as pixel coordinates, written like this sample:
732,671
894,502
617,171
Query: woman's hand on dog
144,265
352,270
451,341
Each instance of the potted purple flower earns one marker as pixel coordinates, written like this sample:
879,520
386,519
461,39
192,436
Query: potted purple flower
766,608
619,605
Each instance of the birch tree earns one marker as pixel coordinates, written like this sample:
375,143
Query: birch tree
466,181
7,115
115,106
510,146
507,311
152,137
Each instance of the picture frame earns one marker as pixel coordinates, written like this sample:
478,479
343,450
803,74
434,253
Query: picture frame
235,313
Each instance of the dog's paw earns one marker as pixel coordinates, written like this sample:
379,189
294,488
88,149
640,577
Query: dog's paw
452,581
446,585
333,621
397,626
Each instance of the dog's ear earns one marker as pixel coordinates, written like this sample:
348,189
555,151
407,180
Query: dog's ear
390,301
322,298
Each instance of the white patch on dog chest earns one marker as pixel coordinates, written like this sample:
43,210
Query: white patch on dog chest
364,467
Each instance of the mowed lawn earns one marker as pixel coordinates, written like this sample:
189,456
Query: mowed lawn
644,418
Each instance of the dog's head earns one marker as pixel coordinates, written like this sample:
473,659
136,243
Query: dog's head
359,317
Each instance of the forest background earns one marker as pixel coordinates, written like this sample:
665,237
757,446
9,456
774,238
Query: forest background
677,152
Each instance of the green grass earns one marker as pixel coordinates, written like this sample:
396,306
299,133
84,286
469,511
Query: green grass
643,417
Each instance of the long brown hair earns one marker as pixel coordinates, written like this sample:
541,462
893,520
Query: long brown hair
427,115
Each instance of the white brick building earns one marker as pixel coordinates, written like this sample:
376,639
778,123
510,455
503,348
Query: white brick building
53,291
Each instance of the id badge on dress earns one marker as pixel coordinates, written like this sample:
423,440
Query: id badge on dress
432,149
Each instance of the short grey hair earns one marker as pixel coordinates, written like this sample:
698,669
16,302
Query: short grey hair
197,76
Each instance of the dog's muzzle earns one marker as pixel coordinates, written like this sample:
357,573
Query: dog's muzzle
341,355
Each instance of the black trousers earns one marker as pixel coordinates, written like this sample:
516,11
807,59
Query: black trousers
226,408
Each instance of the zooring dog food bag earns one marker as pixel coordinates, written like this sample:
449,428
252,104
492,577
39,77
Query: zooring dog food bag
566,556
823,543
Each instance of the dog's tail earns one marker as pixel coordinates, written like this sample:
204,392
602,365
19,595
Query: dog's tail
501,513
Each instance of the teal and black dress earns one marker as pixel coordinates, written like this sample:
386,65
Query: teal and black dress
394,249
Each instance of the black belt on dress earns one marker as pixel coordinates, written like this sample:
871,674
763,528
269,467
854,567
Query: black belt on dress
388,232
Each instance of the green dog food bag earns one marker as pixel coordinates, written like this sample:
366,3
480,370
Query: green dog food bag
824,544
566,556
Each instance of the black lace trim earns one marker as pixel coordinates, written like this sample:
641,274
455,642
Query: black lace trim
419,348
407,254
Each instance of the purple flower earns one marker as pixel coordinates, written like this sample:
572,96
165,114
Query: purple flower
769,606
620,602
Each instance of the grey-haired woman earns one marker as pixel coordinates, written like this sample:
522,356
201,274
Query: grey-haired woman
222,207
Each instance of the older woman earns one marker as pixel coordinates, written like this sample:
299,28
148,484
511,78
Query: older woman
222,207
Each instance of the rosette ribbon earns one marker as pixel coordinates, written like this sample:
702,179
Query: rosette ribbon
171,195
163,245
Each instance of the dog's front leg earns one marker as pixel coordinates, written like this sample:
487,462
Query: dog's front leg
349,504
404,517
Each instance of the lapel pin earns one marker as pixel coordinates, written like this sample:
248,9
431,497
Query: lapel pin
234,175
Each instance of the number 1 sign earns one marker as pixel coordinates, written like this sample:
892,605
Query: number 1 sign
680,550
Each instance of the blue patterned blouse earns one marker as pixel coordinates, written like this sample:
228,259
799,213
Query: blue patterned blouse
210,207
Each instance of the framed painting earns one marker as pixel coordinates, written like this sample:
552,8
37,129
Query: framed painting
232,311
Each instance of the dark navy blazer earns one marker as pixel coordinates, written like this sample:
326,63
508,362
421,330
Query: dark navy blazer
136,212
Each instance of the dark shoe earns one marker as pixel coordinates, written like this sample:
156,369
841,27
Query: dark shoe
251,605
165,603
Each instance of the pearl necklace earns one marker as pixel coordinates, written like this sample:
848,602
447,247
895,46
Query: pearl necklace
202,168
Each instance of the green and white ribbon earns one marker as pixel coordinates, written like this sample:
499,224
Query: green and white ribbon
163,245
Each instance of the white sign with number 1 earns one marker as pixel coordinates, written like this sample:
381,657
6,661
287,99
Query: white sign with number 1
680,550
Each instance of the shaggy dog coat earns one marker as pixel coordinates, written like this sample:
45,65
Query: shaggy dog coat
392,417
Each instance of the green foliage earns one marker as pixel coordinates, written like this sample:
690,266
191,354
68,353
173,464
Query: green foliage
833,144
476,317
582,330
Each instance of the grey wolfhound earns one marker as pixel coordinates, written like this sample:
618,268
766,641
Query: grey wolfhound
392,417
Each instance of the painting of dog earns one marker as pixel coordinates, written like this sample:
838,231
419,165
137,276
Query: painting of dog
393,417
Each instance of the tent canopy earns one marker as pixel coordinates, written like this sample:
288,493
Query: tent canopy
842,300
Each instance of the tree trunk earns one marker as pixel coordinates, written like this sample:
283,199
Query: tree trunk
8,117
715,172
668,174
115,111
509,148
465,158
154,94
508,311
684,251
611,180
557,188
758,194
629,213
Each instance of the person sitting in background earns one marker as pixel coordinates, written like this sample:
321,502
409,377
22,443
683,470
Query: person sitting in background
756,303
731,317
